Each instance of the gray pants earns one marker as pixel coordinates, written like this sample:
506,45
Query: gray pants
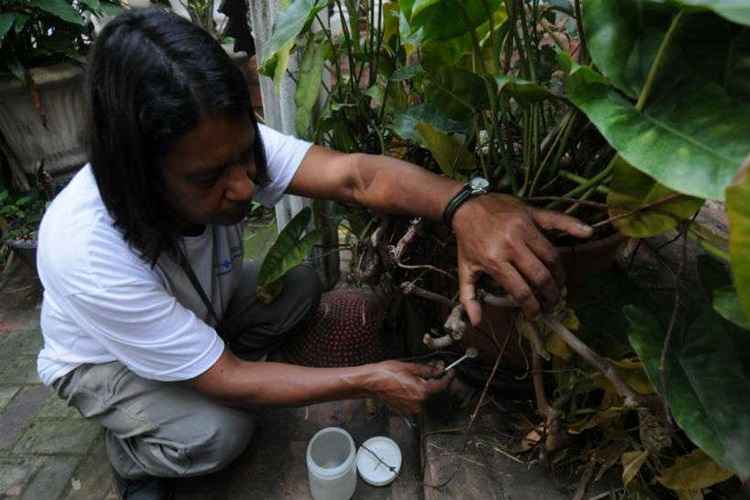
168,429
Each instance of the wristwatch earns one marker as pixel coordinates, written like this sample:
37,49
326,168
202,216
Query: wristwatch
475,187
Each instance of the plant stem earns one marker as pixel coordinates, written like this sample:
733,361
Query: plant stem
593,204
474,39
493,42
336,61
647,206
527,41
379,37
658,63
557,147
585,184
581,35
632,399
348,41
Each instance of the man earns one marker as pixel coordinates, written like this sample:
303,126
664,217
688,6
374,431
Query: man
149,318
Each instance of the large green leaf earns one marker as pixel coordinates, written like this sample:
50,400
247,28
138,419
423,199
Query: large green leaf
309,82
94,5
704,51
631,190
6,23
522,91
61,9
288,251
459,93
708,372
727,303
405,123
623,37
444,19
716,279
691,141
287,26
738,209
452,156
734,10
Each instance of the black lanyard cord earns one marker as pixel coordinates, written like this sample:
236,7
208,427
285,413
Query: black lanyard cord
185,265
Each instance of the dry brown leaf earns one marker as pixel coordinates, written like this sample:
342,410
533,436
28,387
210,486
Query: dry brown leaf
632,373
690,495
632,461
694,471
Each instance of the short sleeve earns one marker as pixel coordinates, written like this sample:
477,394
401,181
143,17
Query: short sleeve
147,330
284,154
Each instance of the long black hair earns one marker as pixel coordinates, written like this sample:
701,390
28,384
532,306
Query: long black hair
152,76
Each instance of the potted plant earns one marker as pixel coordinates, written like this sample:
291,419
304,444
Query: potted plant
41,100
21,213
628,114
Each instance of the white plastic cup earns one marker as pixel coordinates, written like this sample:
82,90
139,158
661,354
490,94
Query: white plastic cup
332,465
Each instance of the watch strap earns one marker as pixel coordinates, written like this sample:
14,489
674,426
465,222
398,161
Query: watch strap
458,199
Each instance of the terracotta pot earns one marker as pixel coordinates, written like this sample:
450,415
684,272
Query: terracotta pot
580,262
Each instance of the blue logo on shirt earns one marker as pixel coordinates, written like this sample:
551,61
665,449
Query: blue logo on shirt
225,266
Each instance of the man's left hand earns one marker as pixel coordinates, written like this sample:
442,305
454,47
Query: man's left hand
499,235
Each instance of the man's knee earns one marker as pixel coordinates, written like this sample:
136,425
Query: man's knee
306,285
227,434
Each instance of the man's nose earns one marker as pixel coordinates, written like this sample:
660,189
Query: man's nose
240,187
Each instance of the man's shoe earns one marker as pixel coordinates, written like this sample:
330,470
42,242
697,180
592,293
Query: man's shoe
150,488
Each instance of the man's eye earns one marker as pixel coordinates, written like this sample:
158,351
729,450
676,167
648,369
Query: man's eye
246,156
208,180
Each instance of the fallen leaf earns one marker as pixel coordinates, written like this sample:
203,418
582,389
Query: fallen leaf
632,461
690,495
694,471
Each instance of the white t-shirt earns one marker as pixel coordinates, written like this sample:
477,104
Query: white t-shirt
103,303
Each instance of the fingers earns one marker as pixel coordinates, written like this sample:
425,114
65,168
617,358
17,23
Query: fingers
467,292
538,277
548,219
516,286
436,385
425,371
547,253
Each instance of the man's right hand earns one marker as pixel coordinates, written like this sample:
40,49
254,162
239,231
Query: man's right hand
404,387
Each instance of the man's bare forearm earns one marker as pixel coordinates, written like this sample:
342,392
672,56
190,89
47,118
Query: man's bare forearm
248,384
390,185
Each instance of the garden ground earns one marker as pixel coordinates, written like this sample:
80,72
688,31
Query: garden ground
47,451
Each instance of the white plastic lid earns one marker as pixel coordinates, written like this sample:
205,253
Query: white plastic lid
379,461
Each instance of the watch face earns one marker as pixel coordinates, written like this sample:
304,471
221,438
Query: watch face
479,184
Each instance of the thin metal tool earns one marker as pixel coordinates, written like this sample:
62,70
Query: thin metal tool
471,353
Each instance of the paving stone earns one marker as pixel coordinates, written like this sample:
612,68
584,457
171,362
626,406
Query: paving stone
26,342
51,478
14,474
56,407
6,394
478,469
58,436
20,370
16,416
93,477
408,485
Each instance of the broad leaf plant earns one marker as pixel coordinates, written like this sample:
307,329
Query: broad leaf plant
627,113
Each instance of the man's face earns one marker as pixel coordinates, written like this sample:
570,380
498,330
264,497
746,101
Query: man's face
209,173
